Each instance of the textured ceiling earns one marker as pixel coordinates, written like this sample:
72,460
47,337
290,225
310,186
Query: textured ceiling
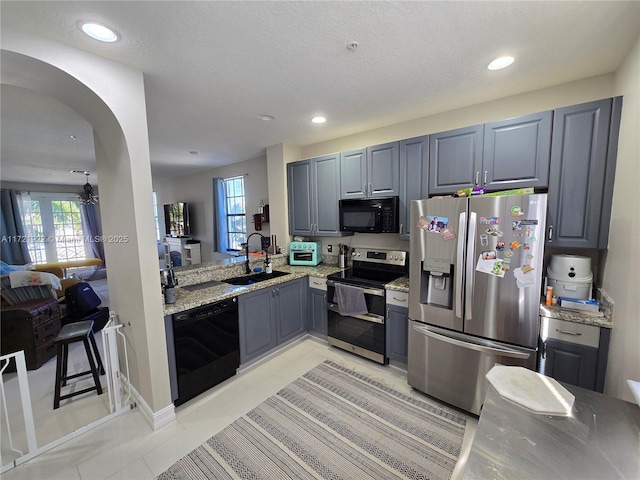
211,67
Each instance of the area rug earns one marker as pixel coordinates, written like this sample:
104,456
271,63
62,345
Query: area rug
332,423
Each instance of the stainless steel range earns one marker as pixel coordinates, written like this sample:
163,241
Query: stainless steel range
356,301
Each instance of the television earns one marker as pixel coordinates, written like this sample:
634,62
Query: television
176,219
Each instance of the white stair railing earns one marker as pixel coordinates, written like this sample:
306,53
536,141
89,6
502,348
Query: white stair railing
25,398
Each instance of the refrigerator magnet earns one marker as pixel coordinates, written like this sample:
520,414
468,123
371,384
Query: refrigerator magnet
527,268
508,254
500,245
448,233
494,232
490,267
516,225
524,280
516,211
529,222
434,224
489,220
484,240
515,245
489,255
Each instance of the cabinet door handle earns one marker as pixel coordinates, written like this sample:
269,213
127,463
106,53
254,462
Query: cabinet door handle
544,350
576,334
370,190
477,178
387,313
400,299
364,189
485,178
550,237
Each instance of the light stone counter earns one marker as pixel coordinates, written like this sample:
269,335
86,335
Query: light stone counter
605,319
218,271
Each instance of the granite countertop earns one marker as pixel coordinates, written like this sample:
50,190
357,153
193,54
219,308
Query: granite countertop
399,285
604,318
193,275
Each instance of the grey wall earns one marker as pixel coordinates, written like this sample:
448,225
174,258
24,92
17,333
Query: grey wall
197,190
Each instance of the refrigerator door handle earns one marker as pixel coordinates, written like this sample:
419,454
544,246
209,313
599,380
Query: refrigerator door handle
470,262
503,352
462,225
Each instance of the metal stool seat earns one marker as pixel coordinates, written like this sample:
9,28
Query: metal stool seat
72,333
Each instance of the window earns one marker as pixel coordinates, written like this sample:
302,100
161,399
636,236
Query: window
53,227
235,209
155,215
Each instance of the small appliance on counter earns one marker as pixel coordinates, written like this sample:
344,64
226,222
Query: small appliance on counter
305,253
570,276
169,282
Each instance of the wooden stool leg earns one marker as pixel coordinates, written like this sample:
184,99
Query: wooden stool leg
56,397
96,352
92,366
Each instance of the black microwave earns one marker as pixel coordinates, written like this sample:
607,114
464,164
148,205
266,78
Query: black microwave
369,215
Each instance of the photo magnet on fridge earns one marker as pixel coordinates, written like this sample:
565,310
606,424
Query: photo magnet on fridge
434,223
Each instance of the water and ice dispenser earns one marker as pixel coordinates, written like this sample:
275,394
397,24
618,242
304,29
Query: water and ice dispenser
436,283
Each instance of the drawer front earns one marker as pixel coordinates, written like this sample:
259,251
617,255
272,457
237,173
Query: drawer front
46,333
45,316
587,335
399,299
318,283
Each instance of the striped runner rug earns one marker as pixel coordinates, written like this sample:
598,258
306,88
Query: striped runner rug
332,423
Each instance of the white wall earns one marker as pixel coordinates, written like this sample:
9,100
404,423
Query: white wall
85,83
198,191
623,261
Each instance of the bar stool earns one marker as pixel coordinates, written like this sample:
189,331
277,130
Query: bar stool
72,333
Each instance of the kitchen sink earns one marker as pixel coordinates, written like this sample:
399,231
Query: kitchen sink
199,286
254,278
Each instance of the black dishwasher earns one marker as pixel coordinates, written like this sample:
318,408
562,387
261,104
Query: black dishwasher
207,347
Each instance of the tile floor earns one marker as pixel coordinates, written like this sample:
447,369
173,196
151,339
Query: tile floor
127,448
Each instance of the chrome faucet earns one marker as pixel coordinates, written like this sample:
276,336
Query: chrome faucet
247,269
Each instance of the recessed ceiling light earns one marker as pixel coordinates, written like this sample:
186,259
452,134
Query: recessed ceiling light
501,62
99,32
318,119
73,137
194,152
266,118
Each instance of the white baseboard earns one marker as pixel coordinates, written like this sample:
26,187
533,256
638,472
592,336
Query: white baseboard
156,420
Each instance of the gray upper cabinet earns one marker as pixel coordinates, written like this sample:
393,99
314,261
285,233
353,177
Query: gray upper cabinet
313,189
455,159
414,170
581,173
516,152
370,172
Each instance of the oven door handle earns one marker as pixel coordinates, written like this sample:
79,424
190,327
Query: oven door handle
367,317
367,291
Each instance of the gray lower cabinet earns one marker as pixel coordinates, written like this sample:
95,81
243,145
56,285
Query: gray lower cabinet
574,353
270,317
583,157
318,322
455,159
397,325
314,190
414,172
516,152
370,172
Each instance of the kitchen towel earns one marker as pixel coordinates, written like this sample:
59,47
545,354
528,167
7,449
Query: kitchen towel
350,300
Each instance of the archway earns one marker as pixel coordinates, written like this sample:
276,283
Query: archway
111,97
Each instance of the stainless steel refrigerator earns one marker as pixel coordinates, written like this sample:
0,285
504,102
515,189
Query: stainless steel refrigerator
475,284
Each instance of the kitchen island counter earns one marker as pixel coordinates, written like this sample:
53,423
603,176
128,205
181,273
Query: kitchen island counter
599,439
